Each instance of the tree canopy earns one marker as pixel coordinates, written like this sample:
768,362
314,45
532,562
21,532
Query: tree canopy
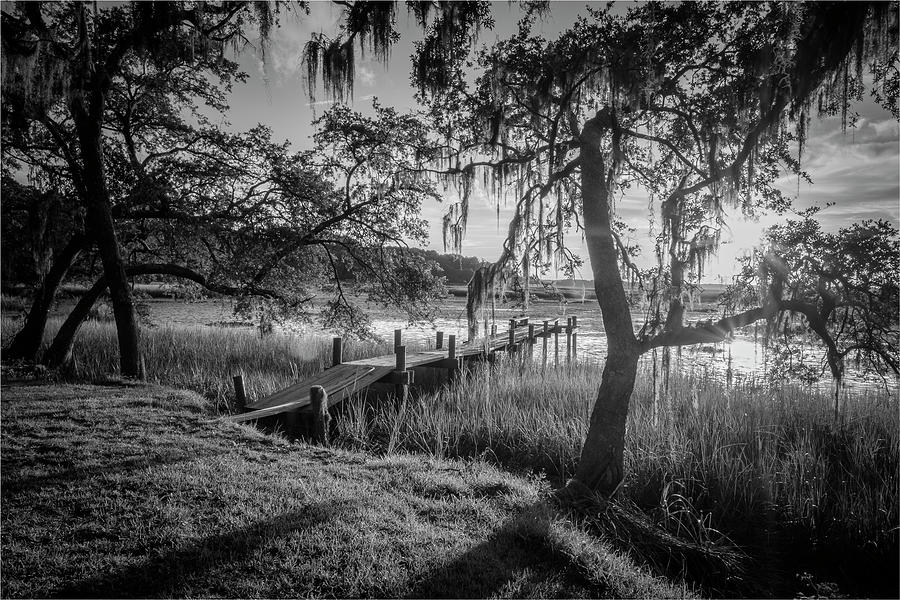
699,105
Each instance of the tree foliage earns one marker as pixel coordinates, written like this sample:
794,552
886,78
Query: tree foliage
699,105
843,286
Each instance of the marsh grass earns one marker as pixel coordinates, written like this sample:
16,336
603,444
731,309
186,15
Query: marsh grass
812,502
133,491
204,359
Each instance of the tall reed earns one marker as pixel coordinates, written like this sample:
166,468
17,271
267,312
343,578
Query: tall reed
767,466
204,359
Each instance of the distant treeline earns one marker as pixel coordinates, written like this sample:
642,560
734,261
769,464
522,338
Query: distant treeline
457,269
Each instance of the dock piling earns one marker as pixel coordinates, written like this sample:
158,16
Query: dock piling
240,395
545,335
556,342
530,341
402,387
337,351
439,342
568,340
451,354
574,338
321,419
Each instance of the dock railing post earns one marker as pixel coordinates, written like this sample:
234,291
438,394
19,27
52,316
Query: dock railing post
401,388
337,351
240,395
574,338
451,354
439,342
493,330
568,340
398,338
556,343
511,343
546,334
318,399
530,342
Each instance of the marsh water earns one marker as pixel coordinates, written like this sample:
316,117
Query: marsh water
743,358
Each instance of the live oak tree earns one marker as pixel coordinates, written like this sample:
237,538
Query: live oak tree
693,102
844,286
98,97
68,55
148,99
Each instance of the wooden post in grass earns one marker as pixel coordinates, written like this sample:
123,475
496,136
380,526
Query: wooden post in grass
569,340
511,344
574,338
398,338
439,342
240,395
451,353
530,341
321,419
556,342
546,334
337,351
400,367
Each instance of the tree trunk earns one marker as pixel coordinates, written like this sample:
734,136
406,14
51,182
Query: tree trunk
601,467
100,223
60,351
27,342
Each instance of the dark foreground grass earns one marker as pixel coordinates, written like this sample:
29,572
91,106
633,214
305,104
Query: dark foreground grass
114,491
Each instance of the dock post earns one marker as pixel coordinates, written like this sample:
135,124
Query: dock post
321,419
556,342
530,342
569,340
240,395
511,344
451,353
486,328
493,330
574,338
439,342
337,351
398,338
546,334
401,388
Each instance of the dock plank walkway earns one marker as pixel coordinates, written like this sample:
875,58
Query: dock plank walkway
347,378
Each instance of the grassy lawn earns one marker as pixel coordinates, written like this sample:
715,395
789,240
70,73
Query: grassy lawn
138,491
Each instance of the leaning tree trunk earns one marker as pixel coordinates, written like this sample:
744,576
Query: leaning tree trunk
60,351
601,467
27,342
100,223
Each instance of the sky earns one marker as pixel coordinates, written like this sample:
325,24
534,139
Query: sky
858,171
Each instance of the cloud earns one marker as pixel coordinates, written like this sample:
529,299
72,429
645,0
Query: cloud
365,75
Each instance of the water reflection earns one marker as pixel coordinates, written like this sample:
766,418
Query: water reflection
741,359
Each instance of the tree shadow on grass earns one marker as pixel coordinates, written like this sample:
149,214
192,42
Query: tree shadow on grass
165,575
517,560
13,484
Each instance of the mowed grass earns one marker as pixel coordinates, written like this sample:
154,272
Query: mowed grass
814,504
112,491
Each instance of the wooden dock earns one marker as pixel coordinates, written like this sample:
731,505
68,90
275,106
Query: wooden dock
343,379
